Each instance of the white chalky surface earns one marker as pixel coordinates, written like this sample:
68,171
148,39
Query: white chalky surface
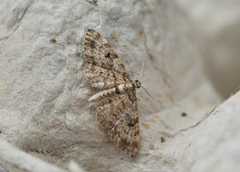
44,108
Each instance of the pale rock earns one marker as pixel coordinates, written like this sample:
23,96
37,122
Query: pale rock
44,109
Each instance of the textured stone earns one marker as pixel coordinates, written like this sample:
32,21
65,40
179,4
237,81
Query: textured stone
44,106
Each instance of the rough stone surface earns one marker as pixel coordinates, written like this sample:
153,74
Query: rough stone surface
15,159
44,108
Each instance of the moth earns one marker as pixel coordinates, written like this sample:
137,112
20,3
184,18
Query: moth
117,109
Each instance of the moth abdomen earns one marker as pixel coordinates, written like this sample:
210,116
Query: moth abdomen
102,94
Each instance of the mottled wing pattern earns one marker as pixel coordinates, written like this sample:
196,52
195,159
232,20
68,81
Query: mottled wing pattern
100,77
103,62
119,116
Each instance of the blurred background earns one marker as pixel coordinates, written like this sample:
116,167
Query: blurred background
217,25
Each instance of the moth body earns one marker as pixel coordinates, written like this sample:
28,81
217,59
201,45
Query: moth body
118,89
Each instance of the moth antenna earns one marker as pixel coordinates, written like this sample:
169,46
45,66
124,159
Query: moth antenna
141,71
149,94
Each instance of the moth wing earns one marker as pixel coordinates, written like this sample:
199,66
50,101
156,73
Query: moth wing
119,115
103,64
125,133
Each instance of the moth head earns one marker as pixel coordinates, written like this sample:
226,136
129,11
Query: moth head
137,84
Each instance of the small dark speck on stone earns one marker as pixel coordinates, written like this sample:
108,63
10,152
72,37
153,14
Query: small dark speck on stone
184,114
151,146
113,35
53,41
165,161
162,139
92,1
